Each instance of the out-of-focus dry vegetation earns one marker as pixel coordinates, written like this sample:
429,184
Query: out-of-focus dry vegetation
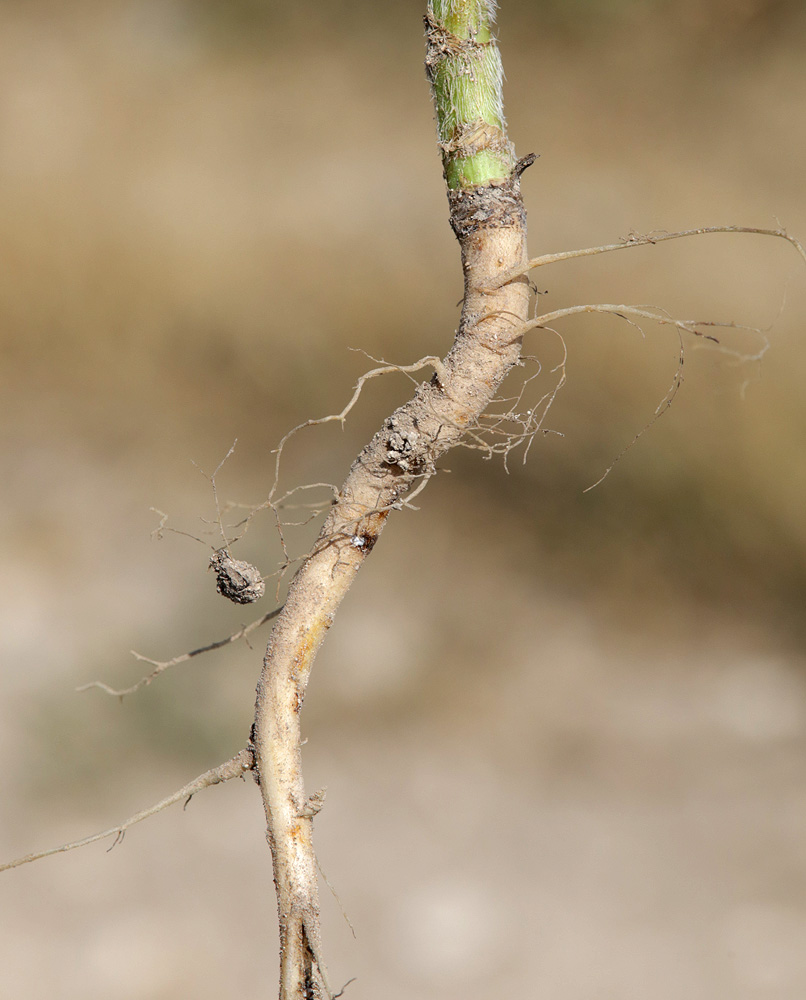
202,208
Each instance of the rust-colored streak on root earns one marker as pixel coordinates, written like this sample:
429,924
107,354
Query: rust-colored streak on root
310,643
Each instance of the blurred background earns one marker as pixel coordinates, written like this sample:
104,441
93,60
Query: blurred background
563,732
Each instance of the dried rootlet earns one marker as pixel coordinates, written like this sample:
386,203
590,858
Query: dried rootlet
237,580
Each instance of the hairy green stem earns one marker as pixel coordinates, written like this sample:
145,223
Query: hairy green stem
464,66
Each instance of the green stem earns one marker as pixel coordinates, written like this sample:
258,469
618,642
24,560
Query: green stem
464,67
